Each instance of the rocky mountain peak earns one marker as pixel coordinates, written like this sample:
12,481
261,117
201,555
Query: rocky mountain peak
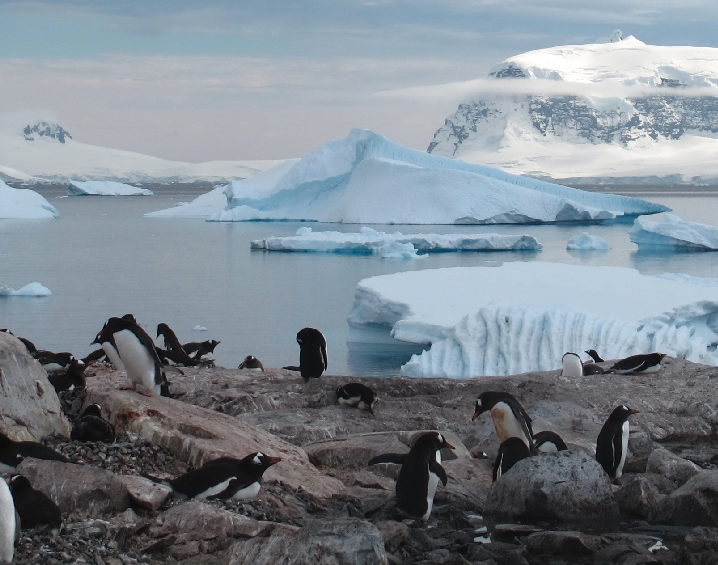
45,129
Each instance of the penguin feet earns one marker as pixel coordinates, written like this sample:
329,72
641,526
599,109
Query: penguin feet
132,386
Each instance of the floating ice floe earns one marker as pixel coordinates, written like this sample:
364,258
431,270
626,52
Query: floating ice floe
105,188
30,289
587,242
21,203
524,316
674,234
366,179
199,328
371,241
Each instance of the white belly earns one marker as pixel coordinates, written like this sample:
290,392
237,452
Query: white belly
572,366
506,424
7,523
248,492
652,369
213,490
433,483
112,355
139,364
624,449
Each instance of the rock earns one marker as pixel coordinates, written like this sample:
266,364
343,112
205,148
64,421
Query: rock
693,504
640,494
330,541
77,488
468,485
701,546
567,544
568,486
677,469
640,447
144,493
355,451
395,534
29,406
196,434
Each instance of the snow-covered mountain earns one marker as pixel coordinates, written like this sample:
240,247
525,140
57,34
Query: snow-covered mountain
41,150
620,111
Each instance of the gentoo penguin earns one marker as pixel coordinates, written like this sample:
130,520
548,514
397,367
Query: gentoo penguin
13,452
225,477
420,473
509,417
592,369
312,354
173,347
91,426
106,341
34,507
28,344
357,394
594,355
74,375
571,365
612,442
95,355
137,353
252,363
200,348
53,362
649,363
8,524
549,442
511,452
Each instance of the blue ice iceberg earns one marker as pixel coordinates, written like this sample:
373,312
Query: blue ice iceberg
587,242
674,234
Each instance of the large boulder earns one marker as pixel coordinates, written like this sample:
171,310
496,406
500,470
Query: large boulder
568,486
676,469
693,504
29,407
640,493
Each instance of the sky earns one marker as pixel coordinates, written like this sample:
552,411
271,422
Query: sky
272,79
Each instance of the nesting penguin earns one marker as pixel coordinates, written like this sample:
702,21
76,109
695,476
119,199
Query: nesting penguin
594,355
225,478
420,473
358,395
136,352
91,426
252,363
511,452
648,363
53,362
571,365
200,348
74,375
13,452
612,442
549,442
312,354
34,507
509,417
8,523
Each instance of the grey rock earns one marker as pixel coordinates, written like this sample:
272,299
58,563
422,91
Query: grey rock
693,504
355,451
395,534
640,494
565,543
144,493
568,486
29,406
676,469
640,447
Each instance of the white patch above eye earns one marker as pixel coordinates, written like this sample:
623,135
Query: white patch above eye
441,438
257,460
625,407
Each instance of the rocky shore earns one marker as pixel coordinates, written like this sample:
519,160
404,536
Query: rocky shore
323,504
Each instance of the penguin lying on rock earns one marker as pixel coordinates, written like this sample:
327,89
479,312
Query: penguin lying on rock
91,426
358,395
612,442
74,375
200,348
13,452
549,442
252,363
649,363
509,417
420,473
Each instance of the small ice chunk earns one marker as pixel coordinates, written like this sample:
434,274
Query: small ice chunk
587,242
30,289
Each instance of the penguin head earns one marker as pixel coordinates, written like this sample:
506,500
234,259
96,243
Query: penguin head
621,413
162,329
93,410
19,483
594,355
260,461
487,400
433,441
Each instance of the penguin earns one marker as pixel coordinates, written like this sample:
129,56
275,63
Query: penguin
509,417
252,363
648,363
137,353
74,375
54,362
200,348
34,507
357,394
549,442
13,452
594,355
91,426
511,452
95,355
30,346
420,473
9,528
592,369
106,341
224,478
173,347
312,354
612,442
571,365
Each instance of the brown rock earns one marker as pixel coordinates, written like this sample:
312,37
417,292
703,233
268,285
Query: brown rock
640,494
355,451
144,493
676,469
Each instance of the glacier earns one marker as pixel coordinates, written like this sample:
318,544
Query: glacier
674,234
587,242
370,241
523,316
105,188
22,203
366,179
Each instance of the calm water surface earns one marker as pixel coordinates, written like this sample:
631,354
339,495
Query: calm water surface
102,258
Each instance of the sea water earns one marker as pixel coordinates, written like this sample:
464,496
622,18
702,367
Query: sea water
103,258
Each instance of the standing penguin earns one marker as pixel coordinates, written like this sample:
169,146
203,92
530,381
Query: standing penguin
612,442
8,523
571,365
174,352
649,363
91,426
511,452
509,417
312,354
357,394
34,507
420,473
136,352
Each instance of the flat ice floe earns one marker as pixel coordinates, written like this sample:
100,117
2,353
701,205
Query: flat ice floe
674,234
524,316
21,203
370,241
105,188
587,242
30,289
366,179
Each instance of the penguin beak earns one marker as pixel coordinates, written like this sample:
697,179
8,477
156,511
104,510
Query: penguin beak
447,445
634,411
273,460
476,415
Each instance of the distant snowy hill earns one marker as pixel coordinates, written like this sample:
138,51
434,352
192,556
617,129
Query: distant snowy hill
619,111
44,151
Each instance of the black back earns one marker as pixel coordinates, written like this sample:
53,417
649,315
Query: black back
34,507
594,355
363,392
548,436
251,362
487,400
608,444
312,353
175,352
12,452
91,426
200,348
638,363
63,358
511,452
74,375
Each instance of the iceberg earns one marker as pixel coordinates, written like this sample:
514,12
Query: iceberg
674,234
370,241
587,242
22,203
105,188
366,179
30,289
524,316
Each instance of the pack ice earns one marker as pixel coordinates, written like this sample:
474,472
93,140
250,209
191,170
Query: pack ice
523,316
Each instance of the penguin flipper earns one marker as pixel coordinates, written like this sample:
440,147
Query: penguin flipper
436,468
397,458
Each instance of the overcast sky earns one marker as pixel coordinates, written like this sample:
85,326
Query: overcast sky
271,79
